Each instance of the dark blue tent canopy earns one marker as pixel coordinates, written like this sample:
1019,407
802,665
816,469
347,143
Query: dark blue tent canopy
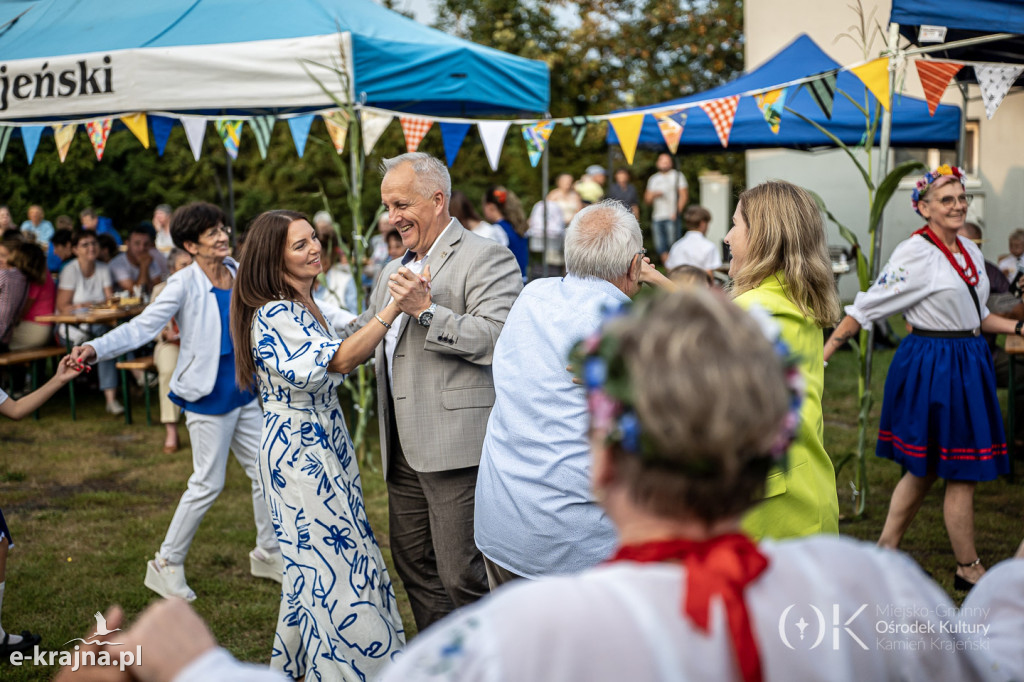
964,20
912,126
399,64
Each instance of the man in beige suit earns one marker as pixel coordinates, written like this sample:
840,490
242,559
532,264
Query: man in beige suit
434,386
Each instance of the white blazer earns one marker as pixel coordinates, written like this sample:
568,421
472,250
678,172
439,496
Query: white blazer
189,298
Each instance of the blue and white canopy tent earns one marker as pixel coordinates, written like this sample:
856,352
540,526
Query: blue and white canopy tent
76,58
802,58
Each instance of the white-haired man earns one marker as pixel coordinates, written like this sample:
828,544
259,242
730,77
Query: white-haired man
535,513
434,387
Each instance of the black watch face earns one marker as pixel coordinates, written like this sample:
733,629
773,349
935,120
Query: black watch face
426,318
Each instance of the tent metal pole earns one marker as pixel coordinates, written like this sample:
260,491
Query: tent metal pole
909,52
544,179
961,144
231,202
883,168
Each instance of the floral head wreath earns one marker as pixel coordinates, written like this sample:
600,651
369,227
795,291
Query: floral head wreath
500,194
929,178
599,364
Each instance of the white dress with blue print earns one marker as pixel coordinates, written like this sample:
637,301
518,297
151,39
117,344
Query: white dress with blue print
339,618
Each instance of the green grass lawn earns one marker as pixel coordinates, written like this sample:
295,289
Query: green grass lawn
88,503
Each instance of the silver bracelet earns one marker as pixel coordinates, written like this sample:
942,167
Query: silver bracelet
381,320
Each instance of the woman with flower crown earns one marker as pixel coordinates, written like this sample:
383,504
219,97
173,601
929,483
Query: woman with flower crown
940,414
780,265
690,406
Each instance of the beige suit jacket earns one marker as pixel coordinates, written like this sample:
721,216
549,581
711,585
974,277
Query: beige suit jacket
442,386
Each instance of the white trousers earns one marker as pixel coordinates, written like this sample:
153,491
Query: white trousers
212,436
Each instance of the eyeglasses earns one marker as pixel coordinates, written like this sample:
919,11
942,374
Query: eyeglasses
950,202
212,232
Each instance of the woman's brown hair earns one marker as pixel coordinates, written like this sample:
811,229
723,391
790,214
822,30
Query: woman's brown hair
260,279
30,258
785,233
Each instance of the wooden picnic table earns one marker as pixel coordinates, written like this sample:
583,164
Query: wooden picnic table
106,315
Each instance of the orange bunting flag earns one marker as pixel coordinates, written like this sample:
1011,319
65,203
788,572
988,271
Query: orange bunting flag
137,124
414,129
722,113
63,135
627,129
337,127
935,76
671,123
875,76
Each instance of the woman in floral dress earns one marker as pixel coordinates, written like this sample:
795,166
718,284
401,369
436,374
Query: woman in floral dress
339,618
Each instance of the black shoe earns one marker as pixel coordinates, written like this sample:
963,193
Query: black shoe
28,640
961,583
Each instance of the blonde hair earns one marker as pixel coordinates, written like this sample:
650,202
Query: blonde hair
785,233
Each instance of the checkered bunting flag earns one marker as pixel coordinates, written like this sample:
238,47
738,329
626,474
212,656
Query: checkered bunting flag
415,129
722,112
995,81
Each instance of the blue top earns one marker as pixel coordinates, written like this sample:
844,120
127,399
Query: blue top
535,513
519,246
226,395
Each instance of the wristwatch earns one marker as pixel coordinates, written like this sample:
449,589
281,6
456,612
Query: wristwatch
427,316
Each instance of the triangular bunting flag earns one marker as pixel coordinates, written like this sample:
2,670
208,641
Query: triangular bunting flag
5,137
374,125
671,124
414,129
453,135
627,129
935,76
492,134
137,124
162,126
98,131
299,126
537,136
722,113
230,131
875,76
30,136
579,129
771,103
995,81
262,128
337,127
823,91
63,135
195,131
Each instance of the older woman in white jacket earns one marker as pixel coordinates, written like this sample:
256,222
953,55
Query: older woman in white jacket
218,414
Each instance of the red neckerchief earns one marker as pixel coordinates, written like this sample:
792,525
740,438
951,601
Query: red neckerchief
722,566
968,274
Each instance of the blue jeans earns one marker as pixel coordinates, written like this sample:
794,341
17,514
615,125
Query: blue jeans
666,233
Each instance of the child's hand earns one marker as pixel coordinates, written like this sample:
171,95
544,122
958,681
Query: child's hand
68,369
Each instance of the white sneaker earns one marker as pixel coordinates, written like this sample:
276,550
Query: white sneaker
168,580
115,408
264,564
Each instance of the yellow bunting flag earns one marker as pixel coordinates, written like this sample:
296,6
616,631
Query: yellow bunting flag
337,127
627,129
63,135
875,76
137,124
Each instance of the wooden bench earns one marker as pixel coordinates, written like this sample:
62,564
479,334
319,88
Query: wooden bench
145,365
31,357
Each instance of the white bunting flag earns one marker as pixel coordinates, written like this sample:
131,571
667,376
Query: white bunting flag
195,131
492,134
995,81
373,127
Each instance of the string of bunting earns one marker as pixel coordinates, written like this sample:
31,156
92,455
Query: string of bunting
994,80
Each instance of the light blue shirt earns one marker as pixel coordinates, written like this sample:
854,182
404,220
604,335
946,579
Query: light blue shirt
43,231
535,513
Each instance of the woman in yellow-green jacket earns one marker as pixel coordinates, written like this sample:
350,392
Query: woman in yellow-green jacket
780,263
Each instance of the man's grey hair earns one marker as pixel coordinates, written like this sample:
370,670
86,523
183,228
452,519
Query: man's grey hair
431,173
602,240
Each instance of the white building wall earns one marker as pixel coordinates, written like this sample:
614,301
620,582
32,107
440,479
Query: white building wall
771,24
